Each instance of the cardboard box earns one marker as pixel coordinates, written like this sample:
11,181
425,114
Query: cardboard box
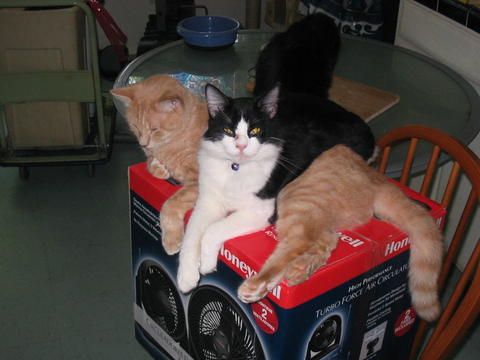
357,306
44,40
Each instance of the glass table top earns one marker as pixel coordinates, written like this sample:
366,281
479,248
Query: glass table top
430,93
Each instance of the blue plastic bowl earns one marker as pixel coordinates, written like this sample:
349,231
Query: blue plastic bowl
208,32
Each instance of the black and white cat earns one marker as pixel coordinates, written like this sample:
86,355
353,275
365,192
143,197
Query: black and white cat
251,150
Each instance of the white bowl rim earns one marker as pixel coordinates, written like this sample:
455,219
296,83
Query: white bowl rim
235,21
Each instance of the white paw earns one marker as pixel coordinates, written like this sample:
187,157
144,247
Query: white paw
187,280
208,253
208,263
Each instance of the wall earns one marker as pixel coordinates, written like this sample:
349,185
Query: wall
452,44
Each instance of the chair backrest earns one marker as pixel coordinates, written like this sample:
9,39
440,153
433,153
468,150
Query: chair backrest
463,304
74,85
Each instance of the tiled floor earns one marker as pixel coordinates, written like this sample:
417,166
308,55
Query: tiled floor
65,282
65,263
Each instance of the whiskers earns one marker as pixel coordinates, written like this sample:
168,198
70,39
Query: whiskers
276,140
284,161
289,164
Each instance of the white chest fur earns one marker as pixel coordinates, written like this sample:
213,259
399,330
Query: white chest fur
234,188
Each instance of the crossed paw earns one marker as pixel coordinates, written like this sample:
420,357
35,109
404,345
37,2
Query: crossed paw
172,234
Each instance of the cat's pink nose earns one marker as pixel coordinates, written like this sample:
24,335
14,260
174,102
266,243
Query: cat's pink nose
241,147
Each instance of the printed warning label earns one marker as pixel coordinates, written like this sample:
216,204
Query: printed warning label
145,218
265,316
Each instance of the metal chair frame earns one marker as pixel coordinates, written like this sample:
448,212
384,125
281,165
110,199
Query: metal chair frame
81,85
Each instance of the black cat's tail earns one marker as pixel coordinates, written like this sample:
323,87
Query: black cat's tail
426,246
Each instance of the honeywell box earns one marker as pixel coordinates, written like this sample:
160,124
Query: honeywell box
357,306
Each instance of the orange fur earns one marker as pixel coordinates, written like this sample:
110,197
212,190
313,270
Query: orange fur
168,121
340,191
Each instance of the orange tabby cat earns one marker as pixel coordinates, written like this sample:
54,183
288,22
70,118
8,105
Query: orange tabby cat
168,121
340,191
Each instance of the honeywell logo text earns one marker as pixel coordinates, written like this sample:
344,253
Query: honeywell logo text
349,240
396,246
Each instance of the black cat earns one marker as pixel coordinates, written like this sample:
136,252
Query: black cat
301,59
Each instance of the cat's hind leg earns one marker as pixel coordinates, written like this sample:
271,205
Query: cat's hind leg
172,217
300,269
295,241
305,244
272,272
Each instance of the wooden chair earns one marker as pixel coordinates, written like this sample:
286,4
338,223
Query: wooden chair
463,304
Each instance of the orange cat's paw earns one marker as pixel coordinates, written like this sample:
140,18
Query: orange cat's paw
171,248
172,234
252,290
158,170
258,286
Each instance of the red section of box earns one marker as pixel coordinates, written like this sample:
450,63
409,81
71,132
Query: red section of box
358,250
148,187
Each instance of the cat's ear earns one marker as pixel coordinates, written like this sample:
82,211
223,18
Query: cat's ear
123,95
168,105
216,100
269,102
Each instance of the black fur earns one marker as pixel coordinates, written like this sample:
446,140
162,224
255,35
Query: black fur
303,125
302,58
310,125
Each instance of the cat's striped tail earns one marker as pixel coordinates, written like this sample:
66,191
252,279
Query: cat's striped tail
426,246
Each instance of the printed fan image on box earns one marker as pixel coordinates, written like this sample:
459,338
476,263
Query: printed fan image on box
356,306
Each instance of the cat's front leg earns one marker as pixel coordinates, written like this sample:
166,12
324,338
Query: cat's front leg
156,168
189,260
239,223
172,217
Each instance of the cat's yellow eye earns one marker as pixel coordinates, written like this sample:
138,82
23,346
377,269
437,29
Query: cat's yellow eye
255,131
227,131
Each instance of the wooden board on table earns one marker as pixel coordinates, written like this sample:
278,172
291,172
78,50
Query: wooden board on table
363,100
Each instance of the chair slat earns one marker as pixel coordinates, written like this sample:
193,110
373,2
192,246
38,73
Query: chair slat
451,185
384,161
74,86
407,166
456,242
432,165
